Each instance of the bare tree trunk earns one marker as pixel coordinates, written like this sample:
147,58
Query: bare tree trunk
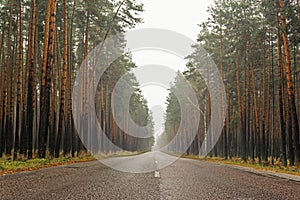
5,90
258,150
62,117
2,89
290,89
264,109
31,83
268,149
54,98
281,112
240,108
46,84
20,68
70,126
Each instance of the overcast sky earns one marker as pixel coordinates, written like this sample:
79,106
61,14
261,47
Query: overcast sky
176,15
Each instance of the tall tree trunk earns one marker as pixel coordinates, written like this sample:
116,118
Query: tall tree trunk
2,89
31,82
70,127
5,82
264,108
54,99
258,150
268,105
36,63
46,82
11,96
290,88
19,84
225,145
281,111
62,117
273,104
243,134
43,117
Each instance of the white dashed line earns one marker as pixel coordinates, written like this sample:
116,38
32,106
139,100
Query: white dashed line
156,174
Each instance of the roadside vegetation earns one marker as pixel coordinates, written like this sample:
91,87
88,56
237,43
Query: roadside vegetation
9,166
266,166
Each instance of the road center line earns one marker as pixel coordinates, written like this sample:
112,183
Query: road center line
156,174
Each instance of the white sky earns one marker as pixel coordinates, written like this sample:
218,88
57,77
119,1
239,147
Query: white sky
176,15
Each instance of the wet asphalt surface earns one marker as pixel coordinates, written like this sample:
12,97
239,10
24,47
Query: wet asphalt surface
184,179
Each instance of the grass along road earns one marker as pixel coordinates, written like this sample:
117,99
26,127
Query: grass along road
8,166
277,167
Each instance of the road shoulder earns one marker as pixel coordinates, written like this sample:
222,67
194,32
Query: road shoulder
264,172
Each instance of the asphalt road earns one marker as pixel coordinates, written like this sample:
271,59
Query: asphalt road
184,179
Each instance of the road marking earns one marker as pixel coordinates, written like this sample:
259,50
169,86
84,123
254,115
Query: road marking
156,174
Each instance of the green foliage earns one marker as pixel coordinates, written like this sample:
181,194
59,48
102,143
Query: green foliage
89,22
240,32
